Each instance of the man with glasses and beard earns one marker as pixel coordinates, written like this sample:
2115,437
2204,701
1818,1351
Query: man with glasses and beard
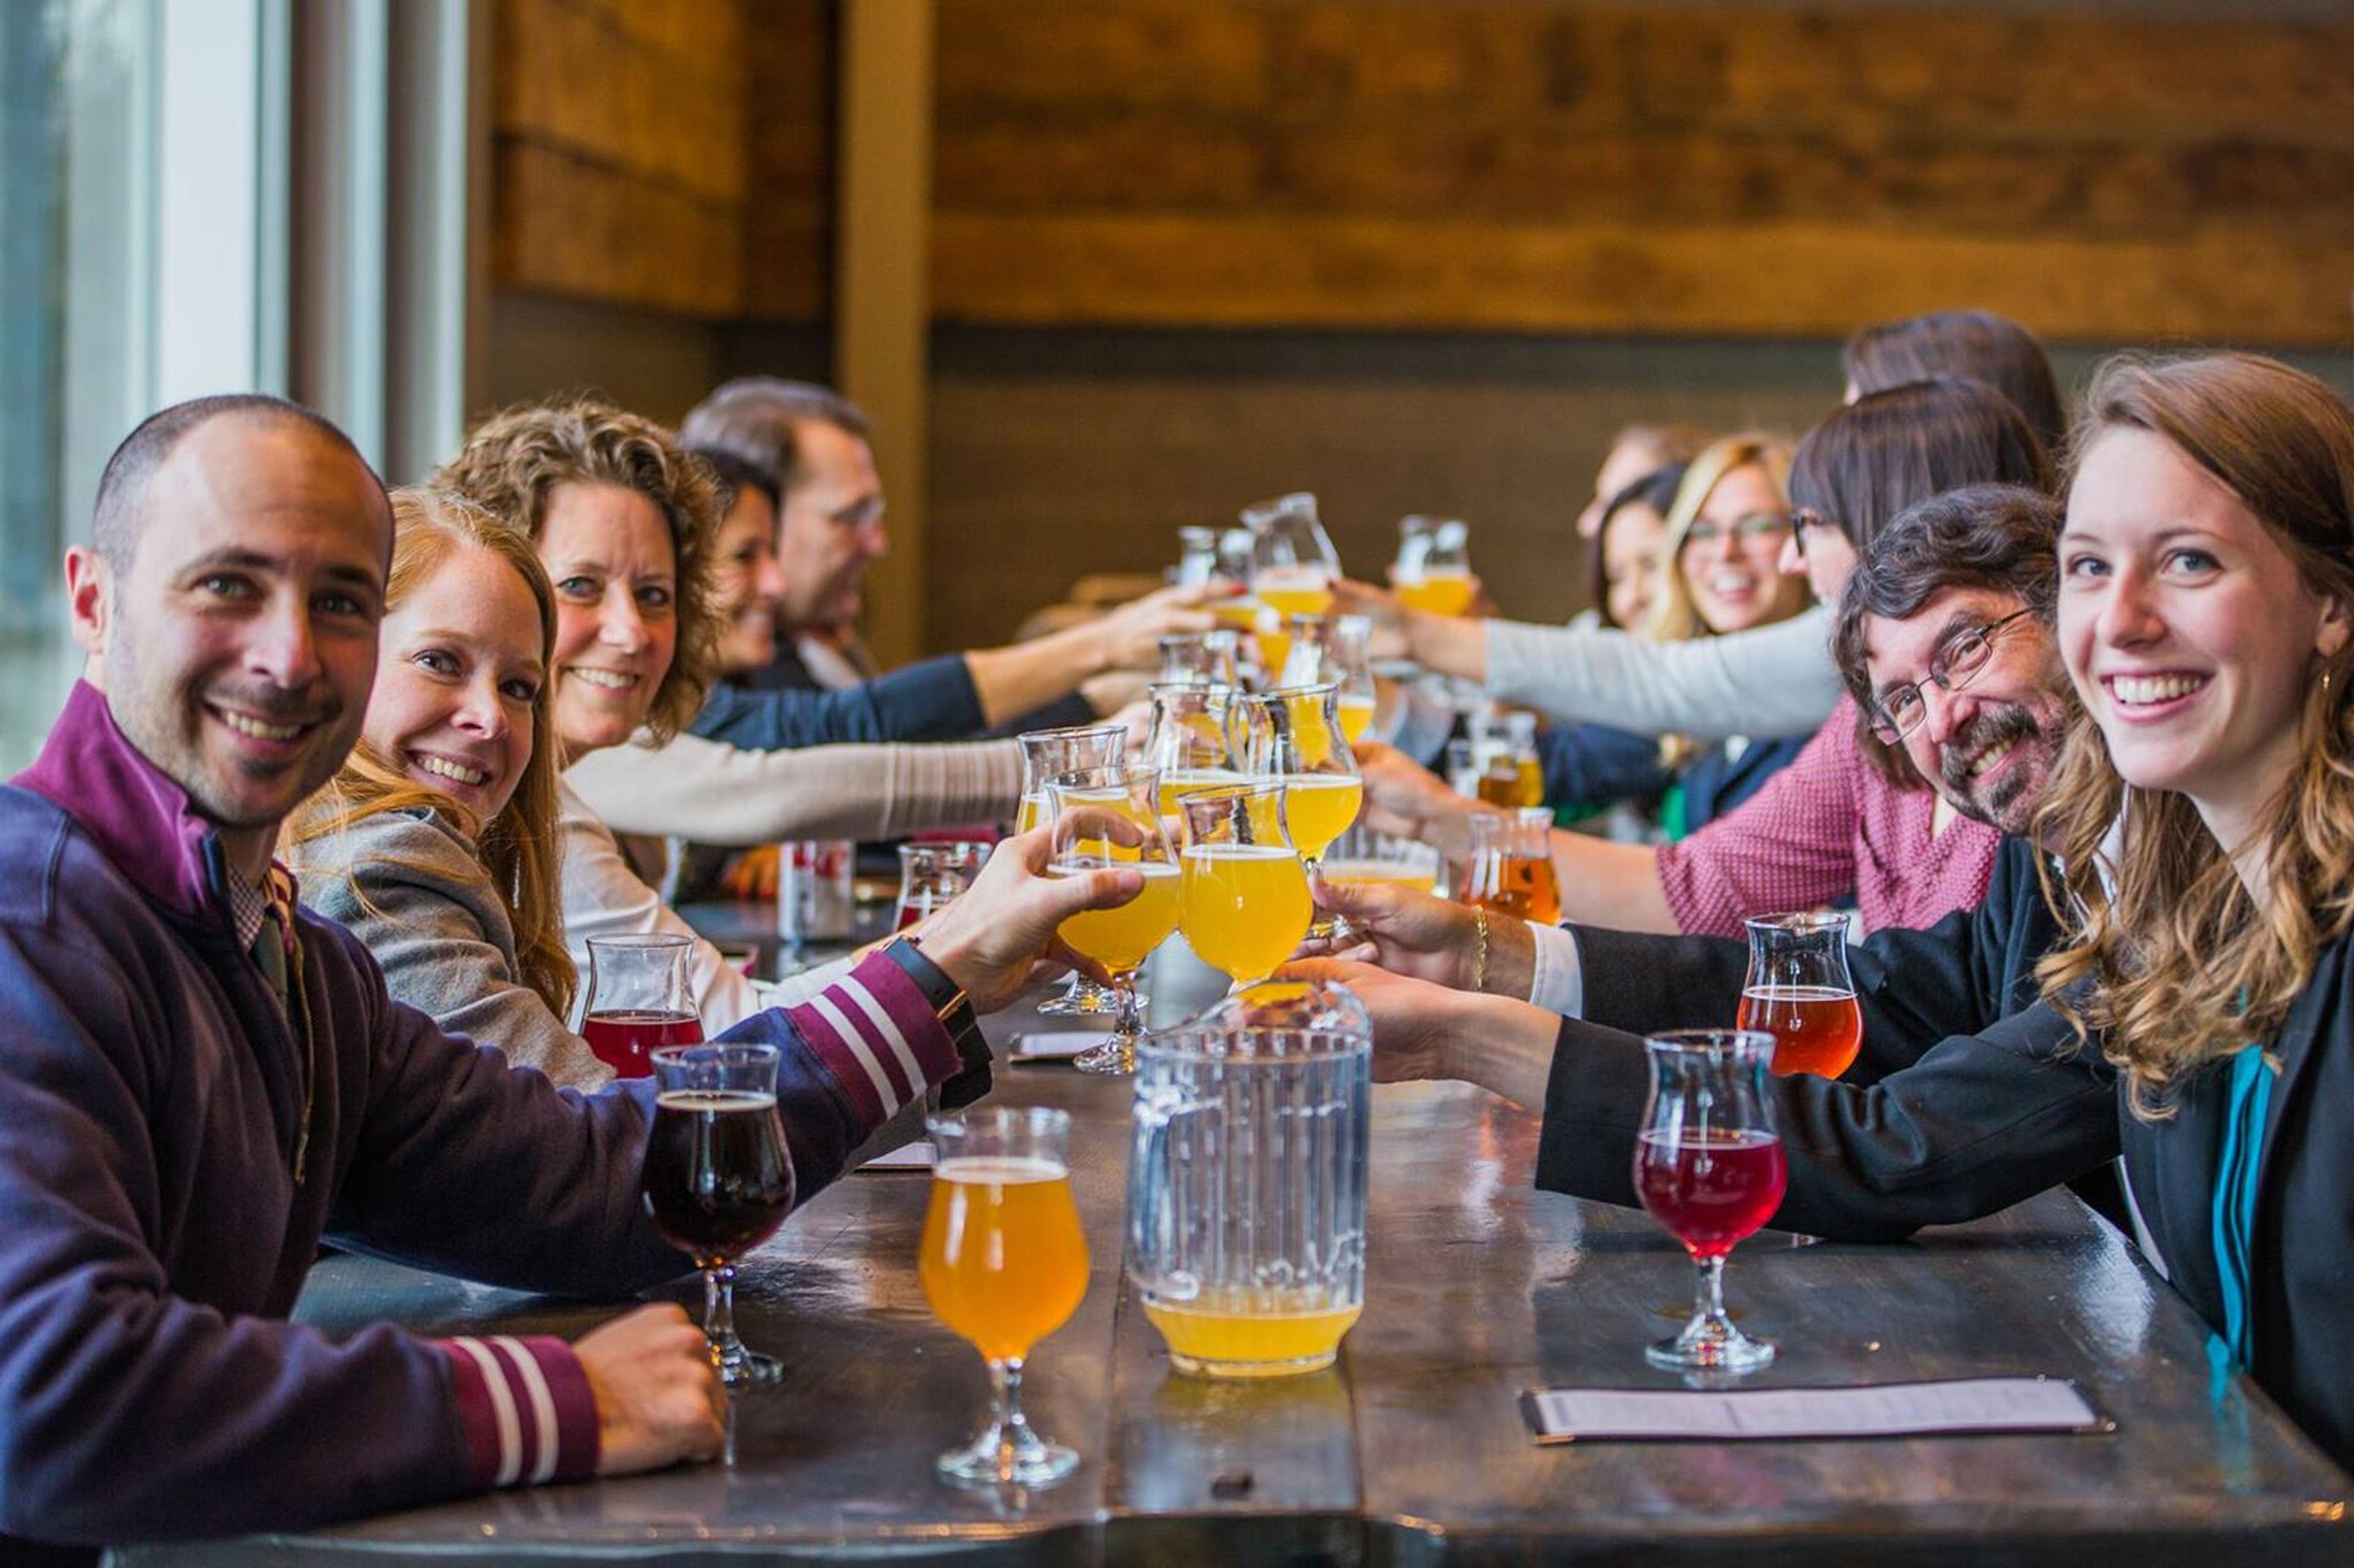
1944,636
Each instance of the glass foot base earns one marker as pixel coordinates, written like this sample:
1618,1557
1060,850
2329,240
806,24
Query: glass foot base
1004,1458
750,1371
1087,999
1701,1347
1114,1055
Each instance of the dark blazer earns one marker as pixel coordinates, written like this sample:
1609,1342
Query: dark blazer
1593,765
1993,1113
932,699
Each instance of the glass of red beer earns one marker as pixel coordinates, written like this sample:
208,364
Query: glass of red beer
717,1179
1709,1167
1799,992
641,998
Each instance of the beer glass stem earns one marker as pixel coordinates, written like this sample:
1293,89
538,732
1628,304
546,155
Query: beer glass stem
1708,1299
1009,1430
1320,925
727,1352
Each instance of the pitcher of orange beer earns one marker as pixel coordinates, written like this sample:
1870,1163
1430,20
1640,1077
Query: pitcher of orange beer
1247,1180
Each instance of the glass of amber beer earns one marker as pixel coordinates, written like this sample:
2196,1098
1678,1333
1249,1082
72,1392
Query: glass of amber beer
1242,894
1799,992
1047,753
1107,817
1003,1264
1511,870
1293,732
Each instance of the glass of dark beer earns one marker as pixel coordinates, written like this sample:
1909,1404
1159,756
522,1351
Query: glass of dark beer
641,998
717,1179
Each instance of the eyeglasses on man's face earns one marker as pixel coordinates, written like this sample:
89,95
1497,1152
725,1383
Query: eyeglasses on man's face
1755,528
1953,666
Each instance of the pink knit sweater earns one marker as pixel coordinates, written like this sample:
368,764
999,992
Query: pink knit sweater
1826,824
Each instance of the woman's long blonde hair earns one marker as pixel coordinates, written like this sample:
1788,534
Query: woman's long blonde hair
1674,617
2177,966
519,846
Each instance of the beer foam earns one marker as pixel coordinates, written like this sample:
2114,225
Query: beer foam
1240,851
700,1100
999,1169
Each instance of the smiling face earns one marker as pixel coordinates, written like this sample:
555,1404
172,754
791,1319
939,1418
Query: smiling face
1988,747
609,553
832,528
1730,554
237,647
1630,562
452,708
747,583
2188,630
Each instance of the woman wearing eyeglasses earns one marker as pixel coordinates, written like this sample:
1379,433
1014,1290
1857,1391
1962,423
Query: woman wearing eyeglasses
1848,816
1720,573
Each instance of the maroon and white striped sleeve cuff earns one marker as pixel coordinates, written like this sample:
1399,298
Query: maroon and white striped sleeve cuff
877,1032
526,1409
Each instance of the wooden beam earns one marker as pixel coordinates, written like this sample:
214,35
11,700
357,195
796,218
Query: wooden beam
1766,279
882,293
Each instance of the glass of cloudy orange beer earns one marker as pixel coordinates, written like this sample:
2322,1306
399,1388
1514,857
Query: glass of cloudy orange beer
1003,1264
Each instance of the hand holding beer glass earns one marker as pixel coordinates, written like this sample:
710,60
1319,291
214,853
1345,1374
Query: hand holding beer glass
1799,992
1003,1264
718,1180
1045,755
1109,818
1710,1167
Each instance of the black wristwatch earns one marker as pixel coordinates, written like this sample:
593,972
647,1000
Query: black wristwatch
954,1009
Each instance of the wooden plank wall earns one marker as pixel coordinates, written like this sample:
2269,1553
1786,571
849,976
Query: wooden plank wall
1524,165
1542,167
667,153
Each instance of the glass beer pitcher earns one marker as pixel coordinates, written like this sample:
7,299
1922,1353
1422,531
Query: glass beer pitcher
1246,1181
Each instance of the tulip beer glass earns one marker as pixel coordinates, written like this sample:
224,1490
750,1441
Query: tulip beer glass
1511,870
1293,732
1433,571
1199,659
1246,1193
1109,817
1186,741
641,998
1709,1167
718,1180
1293,564
1242,894
1003,1264
1045,754
1799,992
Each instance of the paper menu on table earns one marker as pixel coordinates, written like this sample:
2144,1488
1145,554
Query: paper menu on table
1961,1406
920,1155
